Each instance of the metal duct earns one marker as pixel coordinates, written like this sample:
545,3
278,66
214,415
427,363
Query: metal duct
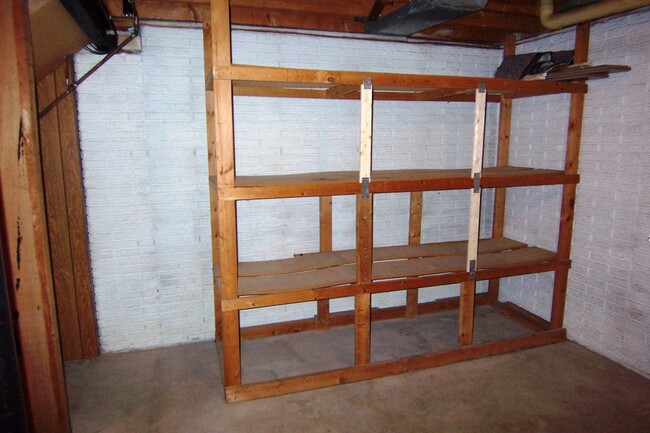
584,13
419,15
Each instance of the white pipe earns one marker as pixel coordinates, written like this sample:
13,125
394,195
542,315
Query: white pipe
586,13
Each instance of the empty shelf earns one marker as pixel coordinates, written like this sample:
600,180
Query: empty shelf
328,269
347,182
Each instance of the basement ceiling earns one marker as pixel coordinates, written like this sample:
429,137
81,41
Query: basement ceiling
487,27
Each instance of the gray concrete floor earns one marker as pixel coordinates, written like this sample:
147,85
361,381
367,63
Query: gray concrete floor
558,388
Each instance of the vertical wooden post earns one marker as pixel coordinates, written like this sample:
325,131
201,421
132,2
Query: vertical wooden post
225,168
415,231
212,172
569,190
468,288
503,156
22,215
323,305
364,229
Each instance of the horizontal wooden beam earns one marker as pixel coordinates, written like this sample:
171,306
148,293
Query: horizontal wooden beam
346,318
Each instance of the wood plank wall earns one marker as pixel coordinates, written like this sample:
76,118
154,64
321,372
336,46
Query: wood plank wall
66,217
22,215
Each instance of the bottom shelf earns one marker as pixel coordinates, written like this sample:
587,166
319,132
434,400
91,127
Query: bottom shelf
320,359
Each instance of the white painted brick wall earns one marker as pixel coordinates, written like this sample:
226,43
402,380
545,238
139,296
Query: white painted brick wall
608,301
143,141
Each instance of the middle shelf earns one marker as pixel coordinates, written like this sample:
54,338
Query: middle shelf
333,274
386,181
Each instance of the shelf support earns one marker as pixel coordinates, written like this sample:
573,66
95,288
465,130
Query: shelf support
503,157
468,288
415,231
323,305
569,190
364,229
226,209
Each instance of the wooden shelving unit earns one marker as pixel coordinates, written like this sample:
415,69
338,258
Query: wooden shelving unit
367,270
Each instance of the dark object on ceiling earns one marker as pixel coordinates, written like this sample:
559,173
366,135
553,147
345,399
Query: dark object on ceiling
93,18
419,15
518,66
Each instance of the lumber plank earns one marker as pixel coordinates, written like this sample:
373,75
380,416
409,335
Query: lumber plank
297,77
24,228
466,313
379,369
364,274
346,273
574,134
384,181
346,318
503,158
327,259
415,231
325,238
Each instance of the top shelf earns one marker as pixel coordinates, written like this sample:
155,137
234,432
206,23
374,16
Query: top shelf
250,80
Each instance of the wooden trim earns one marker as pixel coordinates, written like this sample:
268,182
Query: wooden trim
26,249
379,369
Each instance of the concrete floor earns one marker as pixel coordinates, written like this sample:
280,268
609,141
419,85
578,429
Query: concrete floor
558,388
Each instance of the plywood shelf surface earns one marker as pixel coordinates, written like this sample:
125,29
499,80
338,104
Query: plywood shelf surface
250,80
386,181
327,269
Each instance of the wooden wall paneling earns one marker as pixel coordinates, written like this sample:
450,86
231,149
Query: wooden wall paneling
415,231
76,209
325,210
57,223
212,171
26,249
503,156
574,135
468,288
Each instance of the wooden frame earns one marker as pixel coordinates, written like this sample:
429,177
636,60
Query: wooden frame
362,272
26,248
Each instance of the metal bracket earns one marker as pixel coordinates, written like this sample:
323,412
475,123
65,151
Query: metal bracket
367,83
365,187
477,182
472,269
481,87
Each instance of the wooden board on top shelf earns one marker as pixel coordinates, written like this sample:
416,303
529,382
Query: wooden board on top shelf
249,80
385,181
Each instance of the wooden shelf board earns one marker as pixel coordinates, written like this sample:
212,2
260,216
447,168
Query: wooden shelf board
249,80
324,270
346,182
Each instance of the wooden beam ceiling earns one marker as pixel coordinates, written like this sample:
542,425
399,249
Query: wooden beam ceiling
488,27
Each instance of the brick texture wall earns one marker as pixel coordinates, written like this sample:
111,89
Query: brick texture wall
143,141
608,301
